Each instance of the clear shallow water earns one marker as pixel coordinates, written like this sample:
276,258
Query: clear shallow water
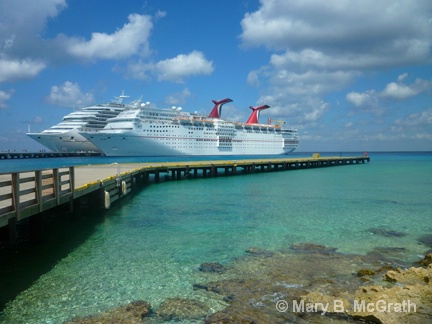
151,245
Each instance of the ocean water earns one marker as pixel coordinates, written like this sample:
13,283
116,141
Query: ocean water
150,245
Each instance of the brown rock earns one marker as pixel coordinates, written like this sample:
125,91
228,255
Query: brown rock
411,276
131,313
365,272
426,260
182,309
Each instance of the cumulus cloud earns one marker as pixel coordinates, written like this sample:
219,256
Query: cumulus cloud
4,97
399,90
26,19
362,99
24,52
363,29
11,70
178,98
393,90
423,118
320,47
22,23
129,40
182,66
69,95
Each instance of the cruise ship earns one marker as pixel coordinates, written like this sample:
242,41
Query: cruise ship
65,136
147,131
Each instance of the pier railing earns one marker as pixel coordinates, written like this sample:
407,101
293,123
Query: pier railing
23,194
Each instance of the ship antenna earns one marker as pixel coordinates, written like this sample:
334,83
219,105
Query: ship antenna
121,97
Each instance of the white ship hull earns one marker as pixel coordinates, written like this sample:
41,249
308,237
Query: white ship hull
69,141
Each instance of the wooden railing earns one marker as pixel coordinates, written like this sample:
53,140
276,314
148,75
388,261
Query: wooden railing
23,194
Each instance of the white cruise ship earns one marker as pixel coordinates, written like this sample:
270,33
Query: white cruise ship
148,131
65,136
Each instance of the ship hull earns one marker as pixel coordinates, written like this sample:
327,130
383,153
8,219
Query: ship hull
65,142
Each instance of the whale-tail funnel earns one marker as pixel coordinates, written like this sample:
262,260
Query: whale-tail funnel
217,109
253,118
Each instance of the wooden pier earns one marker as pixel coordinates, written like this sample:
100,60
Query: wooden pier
24,194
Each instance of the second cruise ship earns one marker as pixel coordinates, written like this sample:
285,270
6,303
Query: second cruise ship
65,137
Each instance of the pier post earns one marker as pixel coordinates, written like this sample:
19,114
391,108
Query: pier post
38,183
156,175
16,194
12,230
57,185
72,188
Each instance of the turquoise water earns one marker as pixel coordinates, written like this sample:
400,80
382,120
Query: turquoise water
150,245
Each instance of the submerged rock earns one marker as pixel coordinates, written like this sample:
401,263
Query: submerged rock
259,252
212,267
313,248
426,240
182,309
386,232
132,313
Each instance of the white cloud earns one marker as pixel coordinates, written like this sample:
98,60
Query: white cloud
253,79
423,118
130,40
11,70
317,48
393,90
182,66
69,95
399,90
21,26
362,99
4,97
139,70
24,19
361,29
178,98
37,120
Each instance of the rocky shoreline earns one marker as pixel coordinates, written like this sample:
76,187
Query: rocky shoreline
306,283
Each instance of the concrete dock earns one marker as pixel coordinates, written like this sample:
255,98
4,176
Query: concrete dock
24,194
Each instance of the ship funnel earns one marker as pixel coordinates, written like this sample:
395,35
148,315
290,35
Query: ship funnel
254,117
217,109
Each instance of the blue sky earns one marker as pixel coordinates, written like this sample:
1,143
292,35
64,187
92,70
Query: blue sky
350,75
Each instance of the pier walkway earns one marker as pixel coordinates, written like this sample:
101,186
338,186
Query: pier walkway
24,194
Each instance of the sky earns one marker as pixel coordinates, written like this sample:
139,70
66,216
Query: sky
349,75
